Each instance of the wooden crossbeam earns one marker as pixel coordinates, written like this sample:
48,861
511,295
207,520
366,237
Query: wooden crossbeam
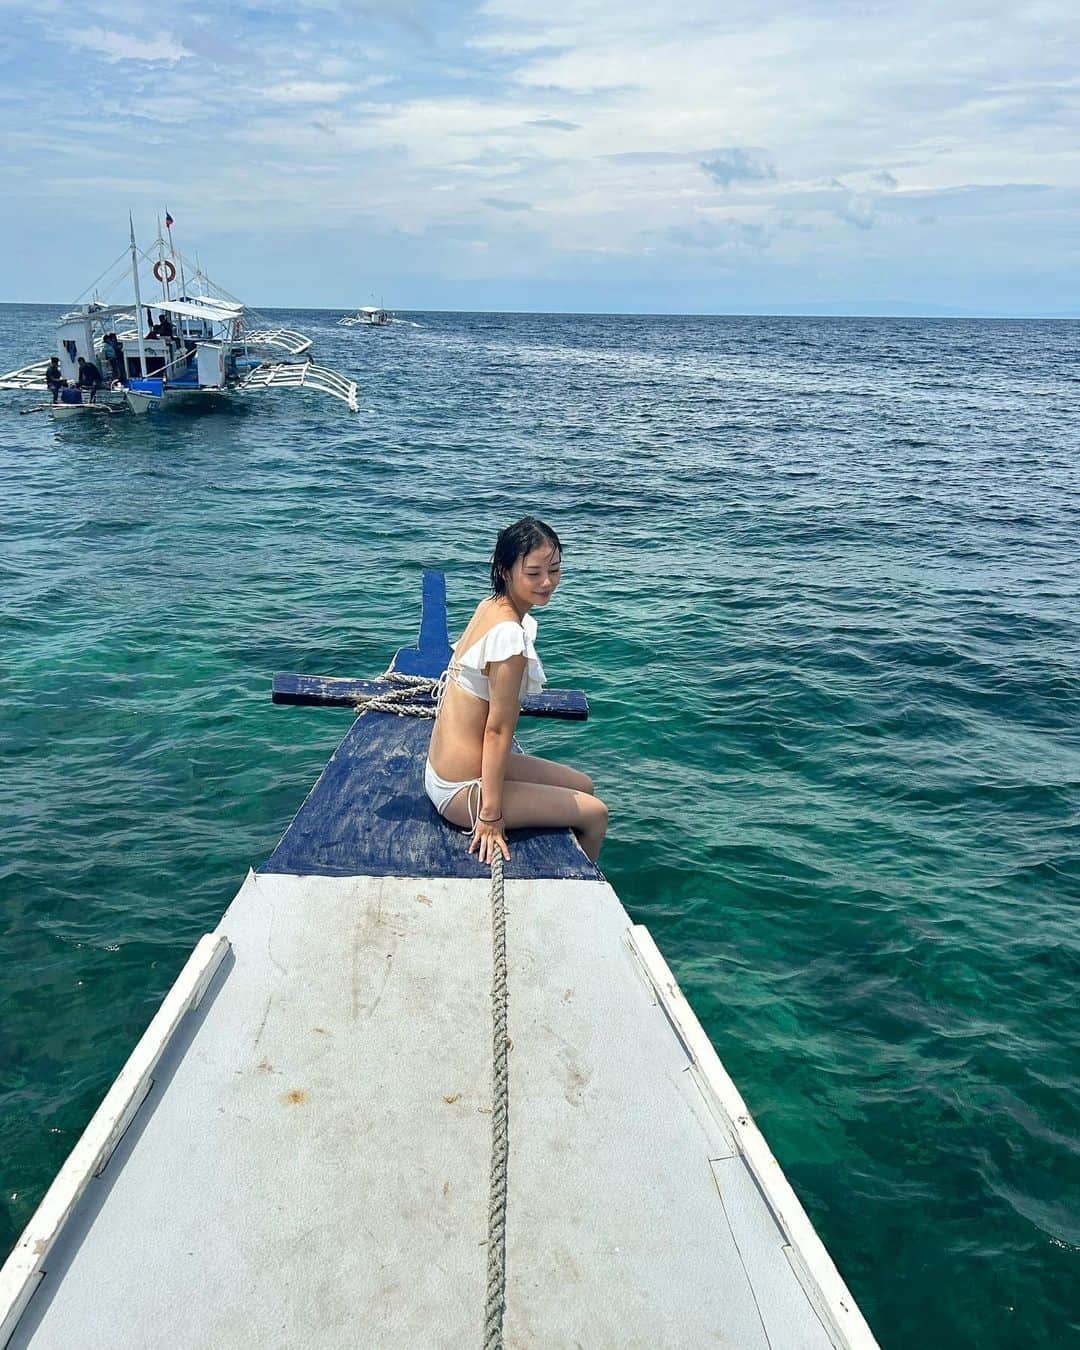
328,691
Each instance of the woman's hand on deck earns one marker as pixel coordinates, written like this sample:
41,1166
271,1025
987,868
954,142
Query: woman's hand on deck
489,836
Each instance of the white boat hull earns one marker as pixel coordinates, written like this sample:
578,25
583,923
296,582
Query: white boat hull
141,403
318,1136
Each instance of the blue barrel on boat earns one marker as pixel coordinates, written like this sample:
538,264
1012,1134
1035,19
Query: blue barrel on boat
71,395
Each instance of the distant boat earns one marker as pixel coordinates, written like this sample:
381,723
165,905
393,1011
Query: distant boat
202,344
367,316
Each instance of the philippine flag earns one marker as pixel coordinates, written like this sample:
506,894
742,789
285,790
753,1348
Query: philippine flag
168,219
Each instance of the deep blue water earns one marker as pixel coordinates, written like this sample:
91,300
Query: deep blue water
821,588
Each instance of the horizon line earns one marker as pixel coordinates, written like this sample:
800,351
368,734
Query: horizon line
772,313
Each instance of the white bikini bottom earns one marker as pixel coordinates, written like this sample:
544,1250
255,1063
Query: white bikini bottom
442,792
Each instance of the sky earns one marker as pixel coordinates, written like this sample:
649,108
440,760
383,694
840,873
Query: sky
563,155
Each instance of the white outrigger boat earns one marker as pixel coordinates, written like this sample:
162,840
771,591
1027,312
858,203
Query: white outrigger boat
205,344
393,1101
367,316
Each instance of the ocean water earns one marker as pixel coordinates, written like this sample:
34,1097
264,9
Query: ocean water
821,588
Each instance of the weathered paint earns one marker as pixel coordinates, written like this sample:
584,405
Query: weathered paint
368,815
311,1165
812,1265
431,654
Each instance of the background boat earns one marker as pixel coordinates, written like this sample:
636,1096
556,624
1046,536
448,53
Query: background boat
199,344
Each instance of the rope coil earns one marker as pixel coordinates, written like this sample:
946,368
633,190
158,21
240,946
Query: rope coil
408,699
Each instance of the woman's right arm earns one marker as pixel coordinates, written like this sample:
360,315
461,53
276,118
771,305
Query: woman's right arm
504,708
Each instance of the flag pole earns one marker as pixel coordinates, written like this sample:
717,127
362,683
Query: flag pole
138,298
172,252
161,264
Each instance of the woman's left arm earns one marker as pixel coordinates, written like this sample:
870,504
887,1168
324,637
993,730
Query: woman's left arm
504,708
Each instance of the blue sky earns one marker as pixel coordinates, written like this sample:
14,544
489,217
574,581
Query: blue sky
572,155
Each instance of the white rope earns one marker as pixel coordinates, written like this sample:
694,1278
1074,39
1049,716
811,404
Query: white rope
500,1112
418,696
409,699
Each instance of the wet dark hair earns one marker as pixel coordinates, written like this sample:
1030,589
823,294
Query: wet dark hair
515,542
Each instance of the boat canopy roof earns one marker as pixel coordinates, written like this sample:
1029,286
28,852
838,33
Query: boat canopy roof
217,311
96,311
215,302
202,307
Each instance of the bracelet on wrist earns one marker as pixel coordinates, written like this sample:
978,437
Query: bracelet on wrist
493,821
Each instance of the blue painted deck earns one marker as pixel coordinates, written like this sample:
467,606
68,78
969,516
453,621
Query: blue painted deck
368,815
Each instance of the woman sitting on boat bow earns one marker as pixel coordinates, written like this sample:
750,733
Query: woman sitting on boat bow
471,775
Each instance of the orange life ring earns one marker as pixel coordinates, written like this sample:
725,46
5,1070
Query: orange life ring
169,268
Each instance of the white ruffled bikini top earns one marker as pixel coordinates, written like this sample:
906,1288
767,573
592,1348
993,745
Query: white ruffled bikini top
504,640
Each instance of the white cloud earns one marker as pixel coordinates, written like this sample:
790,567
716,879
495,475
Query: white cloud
116,46
554,123
722,234
738,165
306,91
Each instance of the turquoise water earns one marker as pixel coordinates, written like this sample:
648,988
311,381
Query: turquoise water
821,588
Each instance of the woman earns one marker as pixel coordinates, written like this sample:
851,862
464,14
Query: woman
471,775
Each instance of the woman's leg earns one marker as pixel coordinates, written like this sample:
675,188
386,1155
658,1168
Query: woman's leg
532,769
543,804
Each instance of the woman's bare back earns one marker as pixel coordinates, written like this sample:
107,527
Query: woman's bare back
458,736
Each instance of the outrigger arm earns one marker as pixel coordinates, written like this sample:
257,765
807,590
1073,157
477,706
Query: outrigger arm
31,378
280,339
303,375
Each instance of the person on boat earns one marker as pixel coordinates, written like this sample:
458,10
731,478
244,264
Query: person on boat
89,377
471,776
164,326
54,380
112,349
